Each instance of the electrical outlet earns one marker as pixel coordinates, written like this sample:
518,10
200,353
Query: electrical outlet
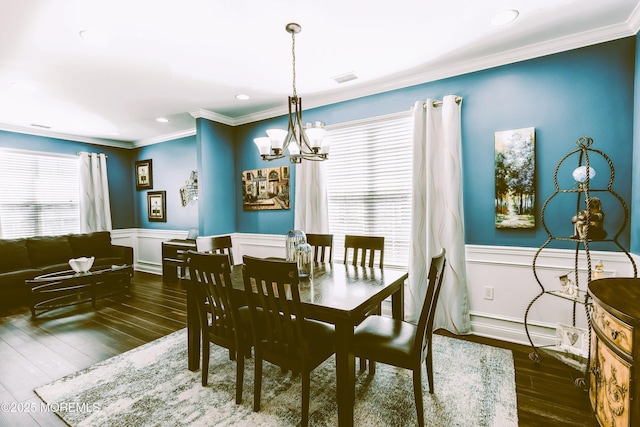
488,292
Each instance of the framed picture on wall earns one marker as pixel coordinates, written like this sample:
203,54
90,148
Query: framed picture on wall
144,175
515,188
157,206
265,189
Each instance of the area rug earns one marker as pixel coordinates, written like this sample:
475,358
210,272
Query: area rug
151,386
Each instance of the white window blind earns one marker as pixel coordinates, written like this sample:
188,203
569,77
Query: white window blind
39,194
369,183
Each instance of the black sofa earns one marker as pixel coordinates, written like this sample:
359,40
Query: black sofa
22,259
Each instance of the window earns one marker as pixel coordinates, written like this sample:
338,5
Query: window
369,183
39,194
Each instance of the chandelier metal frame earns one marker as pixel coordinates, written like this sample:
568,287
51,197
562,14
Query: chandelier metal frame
302,142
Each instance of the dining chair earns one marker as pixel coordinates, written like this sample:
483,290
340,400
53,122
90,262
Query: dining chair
215,245
222,322
322,245
286,338
404,344
362,250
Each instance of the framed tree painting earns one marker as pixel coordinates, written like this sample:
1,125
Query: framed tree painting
157,206
515,178
144,175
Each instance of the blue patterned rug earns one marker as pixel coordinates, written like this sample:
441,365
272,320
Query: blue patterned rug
151,386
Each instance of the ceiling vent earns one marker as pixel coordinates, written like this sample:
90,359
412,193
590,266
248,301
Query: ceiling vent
35,125
343,78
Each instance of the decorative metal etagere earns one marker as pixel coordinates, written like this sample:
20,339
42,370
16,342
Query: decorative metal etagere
587,235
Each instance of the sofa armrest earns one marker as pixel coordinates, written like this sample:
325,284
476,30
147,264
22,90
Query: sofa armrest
124,252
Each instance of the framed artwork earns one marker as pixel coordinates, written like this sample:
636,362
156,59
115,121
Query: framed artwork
144,175
265,189
515,178
157,206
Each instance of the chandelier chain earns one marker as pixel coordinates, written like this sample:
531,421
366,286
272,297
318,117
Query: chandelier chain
293,54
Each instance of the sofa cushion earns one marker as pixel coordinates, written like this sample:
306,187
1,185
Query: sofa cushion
13,289
49,250
15,279
97,244
14,255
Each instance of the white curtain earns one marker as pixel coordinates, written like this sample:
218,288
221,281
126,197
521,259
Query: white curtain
95,209
437,213
311,207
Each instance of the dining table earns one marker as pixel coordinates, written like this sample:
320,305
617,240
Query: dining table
339,294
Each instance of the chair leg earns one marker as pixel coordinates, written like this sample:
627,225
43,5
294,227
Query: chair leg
239,376
429,364
306,385
417,390
205,359
363,362
257,383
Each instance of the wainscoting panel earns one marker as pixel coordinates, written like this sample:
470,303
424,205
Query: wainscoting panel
508,270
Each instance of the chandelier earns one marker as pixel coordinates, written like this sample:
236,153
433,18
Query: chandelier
303,142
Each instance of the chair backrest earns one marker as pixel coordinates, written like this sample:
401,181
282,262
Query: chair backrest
427,314
322,246
210,276
363,249
215,245
274,303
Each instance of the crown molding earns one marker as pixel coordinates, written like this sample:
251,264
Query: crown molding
164,138
65,136
213,116
634,20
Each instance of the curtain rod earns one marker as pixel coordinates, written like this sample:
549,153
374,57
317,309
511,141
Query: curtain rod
85,152
439,103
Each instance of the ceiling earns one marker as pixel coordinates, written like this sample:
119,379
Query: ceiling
189,58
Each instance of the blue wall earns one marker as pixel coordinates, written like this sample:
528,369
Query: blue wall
635,201
172,163
584,92
215,148
119,169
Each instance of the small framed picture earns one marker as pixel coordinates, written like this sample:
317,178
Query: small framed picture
157,206
572,340
144,175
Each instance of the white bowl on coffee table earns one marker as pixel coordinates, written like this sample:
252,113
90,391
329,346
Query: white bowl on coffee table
82,264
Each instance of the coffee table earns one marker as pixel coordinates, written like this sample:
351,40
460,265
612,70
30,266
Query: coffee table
65,288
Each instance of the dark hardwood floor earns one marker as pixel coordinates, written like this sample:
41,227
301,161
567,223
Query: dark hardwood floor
34,352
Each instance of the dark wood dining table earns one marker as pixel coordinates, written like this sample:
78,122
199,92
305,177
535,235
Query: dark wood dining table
338,294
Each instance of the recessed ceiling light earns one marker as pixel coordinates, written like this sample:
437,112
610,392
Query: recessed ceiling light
162,120
242,96
505,17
